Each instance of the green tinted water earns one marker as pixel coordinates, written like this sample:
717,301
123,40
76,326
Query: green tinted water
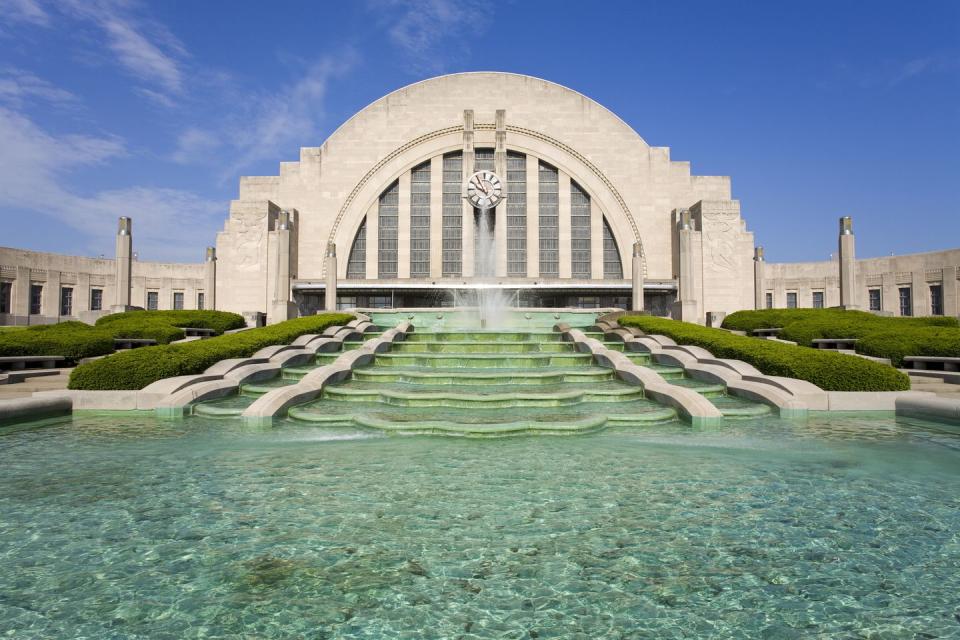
129,527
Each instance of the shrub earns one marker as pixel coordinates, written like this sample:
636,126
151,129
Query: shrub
72,340
912,341
219,321
137,368
164,326
879,336
828,370
750,320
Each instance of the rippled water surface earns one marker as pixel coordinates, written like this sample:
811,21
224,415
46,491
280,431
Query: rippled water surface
126,527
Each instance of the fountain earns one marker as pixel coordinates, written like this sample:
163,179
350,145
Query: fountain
490,300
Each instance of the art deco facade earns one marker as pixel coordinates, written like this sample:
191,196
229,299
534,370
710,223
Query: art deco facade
379,215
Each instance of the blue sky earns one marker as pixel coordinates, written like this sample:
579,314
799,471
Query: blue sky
816,109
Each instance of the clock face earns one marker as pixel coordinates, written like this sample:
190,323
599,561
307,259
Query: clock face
484,190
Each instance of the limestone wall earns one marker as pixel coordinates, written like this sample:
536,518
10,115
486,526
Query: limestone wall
332,188
19,269
887,275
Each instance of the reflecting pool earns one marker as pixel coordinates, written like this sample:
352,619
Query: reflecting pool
127,527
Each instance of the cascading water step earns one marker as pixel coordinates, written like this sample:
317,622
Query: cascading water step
482,377
502,398
484,423
708,389
482,360
732,407
449,346
484,336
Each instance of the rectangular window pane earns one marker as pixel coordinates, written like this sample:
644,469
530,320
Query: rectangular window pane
612,266
420,221
483,160
6,293
66,301
452,215
579,231
357,263
791,300
936,300
906,303
36,299
96,299
818,299
874,299
388,212
516,214
549,221
201,300
178,300
153,299
769,300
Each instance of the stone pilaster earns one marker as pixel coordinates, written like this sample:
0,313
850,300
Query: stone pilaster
847,264
637,275
686,307
950,306
330,292
468,226
758,285
124,259
278,270
500,168
210,279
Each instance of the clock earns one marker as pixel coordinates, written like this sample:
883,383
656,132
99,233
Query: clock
484,190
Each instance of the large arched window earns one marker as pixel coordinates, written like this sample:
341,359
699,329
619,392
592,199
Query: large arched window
420,221
452,215
357,263
579,232
388,212
516,214
612,266
549,221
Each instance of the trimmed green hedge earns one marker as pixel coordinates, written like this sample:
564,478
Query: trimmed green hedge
915,341
137,368
880,336
164,326
72,340
764,318
75,340
828,370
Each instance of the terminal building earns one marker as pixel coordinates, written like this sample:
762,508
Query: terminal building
479,182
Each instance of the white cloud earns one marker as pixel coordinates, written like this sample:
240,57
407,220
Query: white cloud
34,166
426,30
146,49
29,11
263,125
193,145
18,86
